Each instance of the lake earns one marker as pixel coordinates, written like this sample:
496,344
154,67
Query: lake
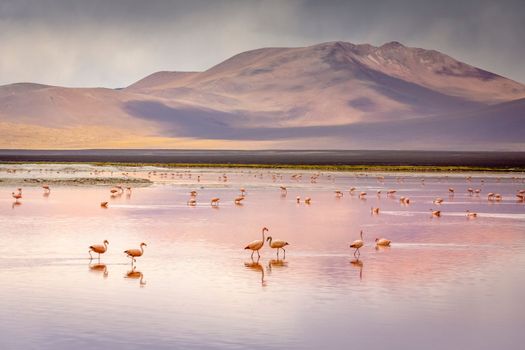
445,282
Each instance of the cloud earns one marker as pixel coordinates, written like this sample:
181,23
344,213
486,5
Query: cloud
116,42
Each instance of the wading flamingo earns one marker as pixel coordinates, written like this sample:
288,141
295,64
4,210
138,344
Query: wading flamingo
104,204
277,244
374,210
98,248
46,188
436,213
471,215
215,202
135,253
307,200
238,200
338,194
358,244
256,245
192,202
383,242
438,200
16,196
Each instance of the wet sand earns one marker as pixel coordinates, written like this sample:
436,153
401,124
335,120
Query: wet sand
197,288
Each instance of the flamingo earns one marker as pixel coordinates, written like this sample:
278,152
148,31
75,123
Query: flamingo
256,245
277,244
362,195
193,193
46,188
192,202
438,200
471,215
238,200
338,194
307,200
298,199
358,244
135,253
104,204
16,196
215,202
243,192
383,242
98,248
374,210
284,190
436,213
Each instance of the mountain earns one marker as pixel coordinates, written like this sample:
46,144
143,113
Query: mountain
331,95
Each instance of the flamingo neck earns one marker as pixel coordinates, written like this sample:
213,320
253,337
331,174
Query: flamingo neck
263,235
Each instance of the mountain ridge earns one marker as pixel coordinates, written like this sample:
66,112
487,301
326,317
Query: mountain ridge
322,87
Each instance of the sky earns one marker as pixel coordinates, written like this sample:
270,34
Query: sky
113,43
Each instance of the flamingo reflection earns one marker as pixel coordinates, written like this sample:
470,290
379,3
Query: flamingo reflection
97,268
256,266
278,263
358,264
134,274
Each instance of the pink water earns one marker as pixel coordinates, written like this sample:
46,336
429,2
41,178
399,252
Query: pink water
447,282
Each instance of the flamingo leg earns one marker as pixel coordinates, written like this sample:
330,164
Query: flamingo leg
258,255
253,251
284,254
90,257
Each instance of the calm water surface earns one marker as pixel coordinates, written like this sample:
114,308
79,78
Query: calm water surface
446,282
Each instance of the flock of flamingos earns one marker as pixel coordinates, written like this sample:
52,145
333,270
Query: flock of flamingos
278,244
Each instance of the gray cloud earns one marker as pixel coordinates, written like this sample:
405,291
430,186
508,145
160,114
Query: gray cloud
115,42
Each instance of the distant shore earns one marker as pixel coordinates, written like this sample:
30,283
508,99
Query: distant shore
441,161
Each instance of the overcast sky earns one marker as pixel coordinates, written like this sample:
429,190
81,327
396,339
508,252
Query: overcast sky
113,43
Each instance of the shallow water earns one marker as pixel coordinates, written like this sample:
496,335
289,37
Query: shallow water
447,282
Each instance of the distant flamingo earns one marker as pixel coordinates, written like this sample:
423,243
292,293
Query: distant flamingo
284,190
436,213
357,244
471,215
16,196
438,200
383,242
256,245
298,199
215,202
243,192
374,210
307,200
135,253
338,194
98,248
192,202
46,188
238,200
362,195
277,244
104,204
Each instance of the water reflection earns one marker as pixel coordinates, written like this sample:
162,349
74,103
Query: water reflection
99,268
276,263
358,264
256,266
135,274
